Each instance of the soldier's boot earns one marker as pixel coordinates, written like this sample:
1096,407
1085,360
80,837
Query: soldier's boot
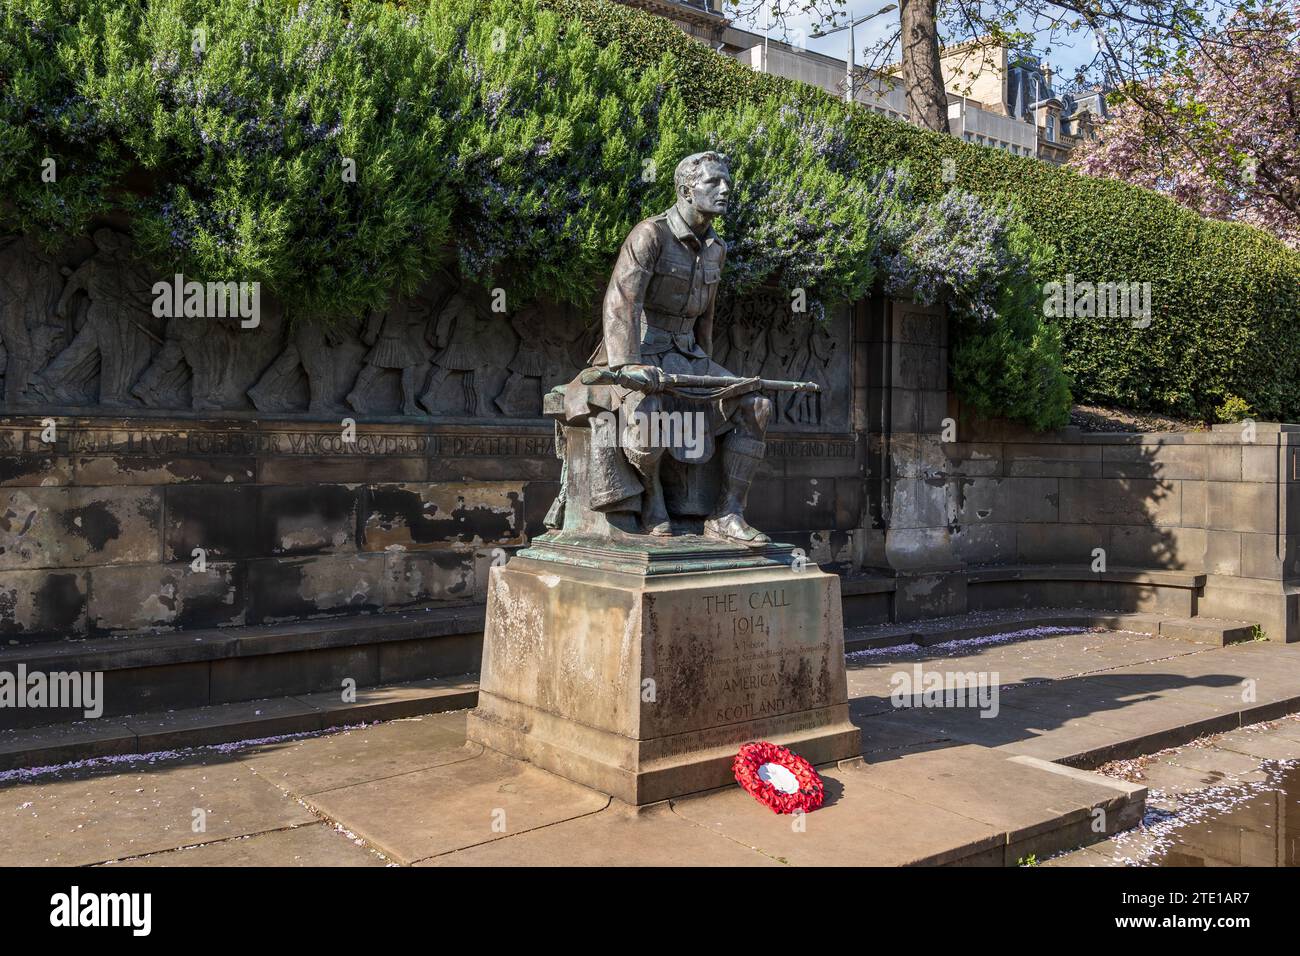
740,459
654,512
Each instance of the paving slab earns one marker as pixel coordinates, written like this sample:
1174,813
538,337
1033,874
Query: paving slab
859,825
1137,715
1167,781
1023,799
884,738
1270,744
360,755
315,844
92,815
616,836
418,815
1214,759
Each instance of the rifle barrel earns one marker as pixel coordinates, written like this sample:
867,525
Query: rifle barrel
608,376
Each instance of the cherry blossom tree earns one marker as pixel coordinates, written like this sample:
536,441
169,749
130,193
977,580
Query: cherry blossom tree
1220,131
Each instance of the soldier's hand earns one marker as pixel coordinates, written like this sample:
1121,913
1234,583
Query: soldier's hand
643,378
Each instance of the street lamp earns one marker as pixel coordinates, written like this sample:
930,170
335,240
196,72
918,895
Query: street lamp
849,90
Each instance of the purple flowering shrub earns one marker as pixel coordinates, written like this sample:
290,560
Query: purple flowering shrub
337,151
558,149
797,220
50,111
300,147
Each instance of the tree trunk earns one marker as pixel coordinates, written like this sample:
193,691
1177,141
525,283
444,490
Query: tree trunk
927,103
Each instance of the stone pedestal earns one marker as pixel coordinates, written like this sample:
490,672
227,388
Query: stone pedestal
639,668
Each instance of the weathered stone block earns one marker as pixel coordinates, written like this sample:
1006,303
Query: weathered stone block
1068,544
919,503
644,686
340,469
43,604
1051,459
810,503
1260,557
1263,462
985,543
919,596
281,589
136,597
973,459
1131,501
1242,506
1223,552
220,519
1148,547
310,519
1003,500
443,515
64,527
131,470
42,471
422,577
1154,459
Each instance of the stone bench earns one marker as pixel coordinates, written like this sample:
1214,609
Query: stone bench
1168,592
144,673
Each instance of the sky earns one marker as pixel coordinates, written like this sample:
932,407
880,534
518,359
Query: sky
1064,60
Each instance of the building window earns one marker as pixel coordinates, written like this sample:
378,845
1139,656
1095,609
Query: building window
1051,128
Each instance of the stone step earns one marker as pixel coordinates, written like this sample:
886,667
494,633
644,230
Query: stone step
216,666
1208,630
225,723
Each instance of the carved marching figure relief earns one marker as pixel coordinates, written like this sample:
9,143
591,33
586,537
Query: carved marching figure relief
311,347
460,334
654,359
29,293
392,335
744,346
805,408
541,361
119,332
203,349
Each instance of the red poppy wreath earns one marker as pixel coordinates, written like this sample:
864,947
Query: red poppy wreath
777,778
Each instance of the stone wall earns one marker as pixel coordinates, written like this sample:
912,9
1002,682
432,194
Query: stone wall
1223,503
169,473
187,473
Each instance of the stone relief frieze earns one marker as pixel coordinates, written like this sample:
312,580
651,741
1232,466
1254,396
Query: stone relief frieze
78,333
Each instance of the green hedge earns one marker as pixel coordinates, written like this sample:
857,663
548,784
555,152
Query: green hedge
336,153
523,138
1225,297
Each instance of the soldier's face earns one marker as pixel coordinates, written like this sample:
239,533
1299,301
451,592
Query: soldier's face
712,191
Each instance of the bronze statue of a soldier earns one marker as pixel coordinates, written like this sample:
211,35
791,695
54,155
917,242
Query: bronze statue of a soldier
655,358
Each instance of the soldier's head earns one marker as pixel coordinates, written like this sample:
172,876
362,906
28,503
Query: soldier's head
703,184
107,241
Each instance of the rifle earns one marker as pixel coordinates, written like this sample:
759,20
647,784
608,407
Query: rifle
720,385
